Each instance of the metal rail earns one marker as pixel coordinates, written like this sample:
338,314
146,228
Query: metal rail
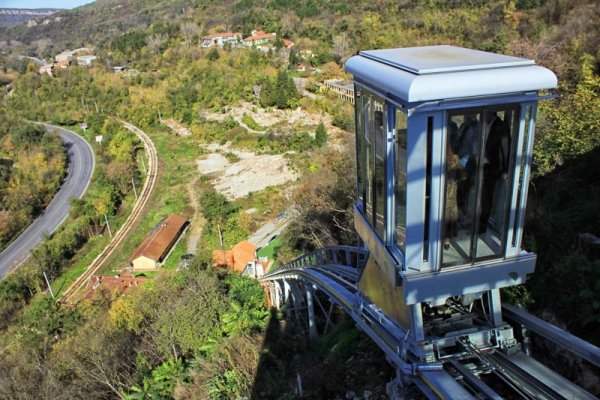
335,271
69,296
583,349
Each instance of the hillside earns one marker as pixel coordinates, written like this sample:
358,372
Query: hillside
221,119
15,16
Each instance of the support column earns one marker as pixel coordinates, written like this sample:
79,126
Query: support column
417,322
276,295
287,293
495,307
312,324
297,300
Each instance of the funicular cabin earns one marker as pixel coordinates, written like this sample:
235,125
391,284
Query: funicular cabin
444,139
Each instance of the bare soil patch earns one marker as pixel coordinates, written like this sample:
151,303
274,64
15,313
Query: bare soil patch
252,173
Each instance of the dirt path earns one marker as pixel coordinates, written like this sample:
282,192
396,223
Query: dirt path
198,220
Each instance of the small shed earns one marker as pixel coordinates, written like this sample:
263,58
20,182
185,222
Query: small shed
156,247
237,258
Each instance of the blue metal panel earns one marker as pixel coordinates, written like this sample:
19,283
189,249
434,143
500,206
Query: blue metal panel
444,58
438,286
450,85
436,215
415,190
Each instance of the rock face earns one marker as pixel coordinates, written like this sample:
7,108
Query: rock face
14,16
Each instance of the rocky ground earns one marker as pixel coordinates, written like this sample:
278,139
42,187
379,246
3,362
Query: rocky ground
237,173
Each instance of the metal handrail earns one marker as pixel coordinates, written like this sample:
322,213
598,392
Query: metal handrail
331,255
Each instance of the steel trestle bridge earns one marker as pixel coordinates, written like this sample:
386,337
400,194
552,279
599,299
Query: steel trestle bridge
470,373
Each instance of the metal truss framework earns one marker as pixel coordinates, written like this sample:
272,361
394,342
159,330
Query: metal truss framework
335,271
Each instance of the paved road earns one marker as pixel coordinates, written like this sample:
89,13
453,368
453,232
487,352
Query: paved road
80,169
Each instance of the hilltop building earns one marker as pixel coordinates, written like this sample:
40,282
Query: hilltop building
258,38
155,249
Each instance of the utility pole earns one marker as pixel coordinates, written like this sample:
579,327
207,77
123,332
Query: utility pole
48,283
108,225
134,190
221,241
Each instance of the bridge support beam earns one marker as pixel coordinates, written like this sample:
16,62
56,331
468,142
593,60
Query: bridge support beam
287,299
312,323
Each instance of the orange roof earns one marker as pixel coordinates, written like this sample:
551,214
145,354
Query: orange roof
158,243
222,257
237,258
259,35
288,43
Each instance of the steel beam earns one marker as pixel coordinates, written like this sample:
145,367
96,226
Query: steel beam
312,324
564,339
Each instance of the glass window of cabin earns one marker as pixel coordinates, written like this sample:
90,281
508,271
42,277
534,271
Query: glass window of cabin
380,134
360,148
400,179
478,161
368,157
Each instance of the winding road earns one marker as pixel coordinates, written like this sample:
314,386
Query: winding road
81,165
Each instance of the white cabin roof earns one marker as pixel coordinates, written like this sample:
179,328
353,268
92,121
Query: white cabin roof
420,74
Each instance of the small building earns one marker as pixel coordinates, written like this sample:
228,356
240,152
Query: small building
155,249
237,258
258,38
120,282
219,39
65,56
257,268
344,91
87,60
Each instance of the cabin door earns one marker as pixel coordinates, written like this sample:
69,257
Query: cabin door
478,164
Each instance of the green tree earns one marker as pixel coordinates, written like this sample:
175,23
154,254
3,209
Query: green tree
321,135
573,126
213,54
215,206
293,58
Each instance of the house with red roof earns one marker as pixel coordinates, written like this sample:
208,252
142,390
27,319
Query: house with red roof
237,258
155,249
258,38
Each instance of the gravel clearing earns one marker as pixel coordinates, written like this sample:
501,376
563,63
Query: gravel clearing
252,173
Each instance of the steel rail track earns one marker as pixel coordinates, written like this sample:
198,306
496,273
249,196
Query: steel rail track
519,374
69,295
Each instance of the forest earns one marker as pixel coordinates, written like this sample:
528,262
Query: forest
32,166
200,333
